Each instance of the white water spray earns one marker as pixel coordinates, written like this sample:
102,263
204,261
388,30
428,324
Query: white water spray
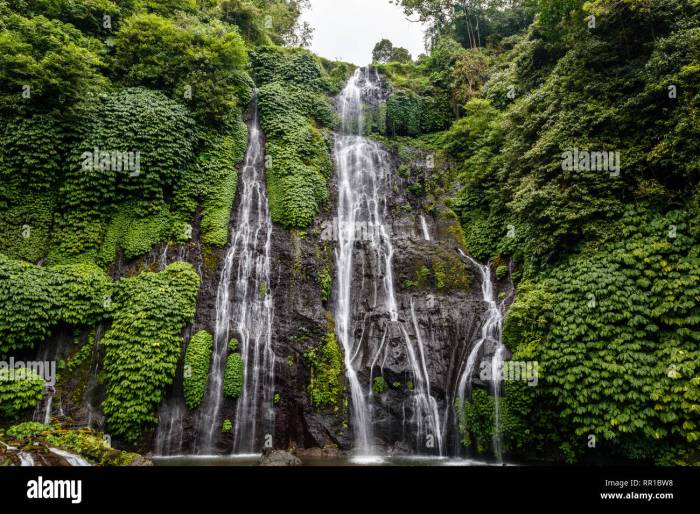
490,334
246,304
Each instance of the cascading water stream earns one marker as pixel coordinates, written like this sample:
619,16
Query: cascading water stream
364,172
425,408
364,184
490,334
246,304
424,228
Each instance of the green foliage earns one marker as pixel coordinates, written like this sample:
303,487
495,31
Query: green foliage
202,64
33,300
226,426
385,52
291,103
476,420
26,430
578,92
403,114
46,64
379,385
327,388
233,376
197,360
89,444
134,120
615,331
325,281
217,181
143,344
20,389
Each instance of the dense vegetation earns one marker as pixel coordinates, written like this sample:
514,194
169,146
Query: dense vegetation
606,260
122,123
121,127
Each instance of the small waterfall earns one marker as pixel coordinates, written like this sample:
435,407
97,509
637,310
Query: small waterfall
424,226
363,171
91,399
71,458
25,459
55,352
490,335
426,415
163,259
247,305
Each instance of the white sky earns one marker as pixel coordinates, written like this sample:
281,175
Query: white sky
348,29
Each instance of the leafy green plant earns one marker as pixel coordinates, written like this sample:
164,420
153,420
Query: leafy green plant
197,360
143,343
233,376
19,391
327,388
33,300
378,385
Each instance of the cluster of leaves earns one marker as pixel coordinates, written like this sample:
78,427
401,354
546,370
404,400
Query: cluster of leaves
385,51
547,96
201,64
233,376
89,444
143,344
34,300
20,389
615,331
379,385
609,302
63,68
327,386
139,123
85,442
197,360
292,102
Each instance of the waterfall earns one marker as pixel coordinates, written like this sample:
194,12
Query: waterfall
424,226
364,172
244,302
425,406
490,335
25,459
71,458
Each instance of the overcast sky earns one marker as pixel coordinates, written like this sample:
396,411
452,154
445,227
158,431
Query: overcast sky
349,29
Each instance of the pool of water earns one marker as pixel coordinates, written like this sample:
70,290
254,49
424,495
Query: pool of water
252,460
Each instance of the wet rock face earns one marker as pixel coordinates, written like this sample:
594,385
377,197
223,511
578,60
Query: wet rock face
447,306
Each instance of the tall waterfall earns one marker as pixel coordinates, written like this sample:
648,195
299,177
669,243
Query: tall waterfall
364,174
490,335
244,309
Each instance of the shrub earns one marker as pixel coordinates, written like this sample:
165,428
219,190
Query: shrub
143,344
19,392
233,376
327,388
197,360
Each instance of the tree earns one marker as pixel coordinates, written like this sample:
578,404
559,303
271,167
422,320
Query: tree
385,52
